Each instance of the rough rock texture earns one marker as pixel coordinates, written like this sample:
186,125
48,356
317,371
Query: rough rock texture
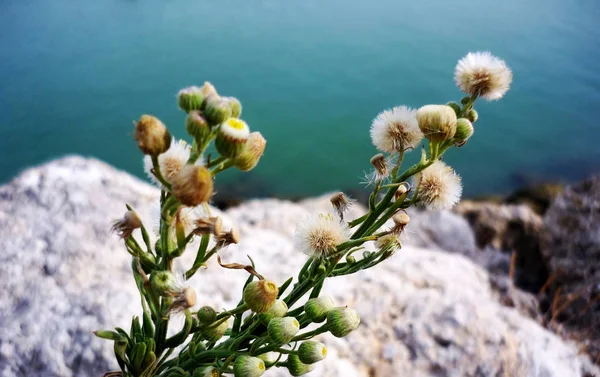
513,230
425,313
571,245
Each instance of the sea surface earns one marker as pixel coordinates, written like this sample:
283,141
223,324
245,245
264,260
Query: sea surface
311,74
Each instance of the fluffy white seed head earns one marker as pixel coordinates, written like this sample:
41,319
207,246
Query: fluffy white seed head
170,162
484,75
440,186
396,130
318,235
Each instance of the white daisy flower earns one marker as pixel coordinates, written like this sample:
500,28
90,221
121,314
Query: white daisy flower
484,75
318,235
396,130
440,187
170,162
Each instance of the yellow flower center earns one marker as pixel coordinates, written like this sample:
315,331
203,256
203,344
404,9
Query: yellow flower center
261,366
324,351
236,123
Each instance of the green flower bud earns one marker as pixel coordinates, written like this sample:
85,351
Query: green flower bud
251,153
260,295
213,333
235,105
217,110
190,99
207,315
193,185
232,137
152,136
465,100
455,106
197,126
206,372
248,366
472,115
342,321
437,122
311,352
464,130
278,310
282,330
317,308
297,367
164,283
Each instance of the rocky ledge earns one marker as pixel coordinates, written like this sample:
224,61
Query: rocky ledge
426,312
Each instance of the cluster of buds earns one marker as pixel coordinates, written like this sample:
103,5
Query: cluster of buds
261,324
212,114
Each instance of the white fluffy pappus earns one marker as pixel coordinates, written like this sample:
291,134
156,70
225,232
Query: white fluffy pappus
170,162
396,130
318,235
484,75
439,186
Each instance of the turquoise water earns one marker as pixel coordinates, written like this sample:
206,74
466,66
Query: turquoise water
311,75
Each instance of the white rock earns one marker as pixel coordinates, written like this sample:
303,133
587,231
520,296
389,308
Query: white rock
424,313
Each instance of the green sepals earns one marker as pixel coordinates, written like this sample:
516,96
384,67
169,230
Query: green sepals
235,105
472,115
197,126
190,99
206,315
297,367
455,106
217,110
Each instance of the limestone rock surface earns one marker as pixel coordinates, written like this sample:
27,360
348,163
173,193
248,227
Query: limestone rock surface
424,312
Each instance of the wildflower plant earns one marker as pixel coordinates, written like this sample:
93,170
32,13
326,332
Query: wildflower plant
269,328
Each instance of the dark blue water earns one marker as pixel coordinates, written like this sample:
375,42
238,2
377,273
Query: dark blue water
311,75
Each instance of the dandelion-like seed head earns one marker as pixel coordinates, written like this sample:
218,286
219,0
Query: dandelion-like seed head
440,186
484,75
318,235
171,162
396,130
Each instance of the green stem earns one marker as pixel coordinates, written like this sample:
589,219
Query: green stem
158,174
310,334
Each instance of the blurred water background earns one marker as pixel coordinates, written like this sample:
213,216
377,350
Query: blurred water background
311,75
